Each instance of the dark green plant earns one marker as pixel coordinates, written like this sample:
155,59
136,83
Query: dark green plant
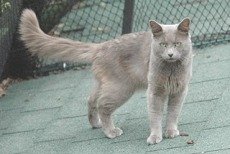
4,5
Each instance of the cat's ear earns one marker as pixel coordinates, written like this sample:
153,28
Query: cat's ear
156,28
184,26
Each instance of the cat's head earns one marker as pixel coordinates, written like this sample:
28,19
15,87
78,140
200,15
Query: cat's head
171,42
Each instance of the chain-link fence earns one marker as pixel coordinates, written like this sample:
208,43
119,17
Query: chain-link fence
101,20
91,21
210,18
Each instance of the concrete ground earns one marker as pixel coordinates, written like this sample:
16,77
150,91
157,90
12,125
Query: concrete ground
49,114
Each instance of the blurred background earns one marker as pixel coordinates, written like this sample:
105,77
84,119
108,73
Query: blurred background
101,20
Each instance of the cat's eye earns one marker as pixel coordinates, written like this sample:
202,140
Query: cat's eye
177,44
162,44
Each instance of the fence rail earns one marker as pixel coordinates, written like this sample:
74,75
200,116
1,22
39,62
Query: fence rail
101,20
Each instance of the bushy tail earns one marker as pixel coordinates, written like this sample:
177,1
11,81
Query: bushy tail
44,45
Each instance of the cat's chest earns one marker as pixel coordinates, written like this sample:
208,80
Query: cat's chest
169,84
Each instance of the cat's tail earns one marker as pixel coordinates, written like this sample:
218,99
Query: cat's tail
47,46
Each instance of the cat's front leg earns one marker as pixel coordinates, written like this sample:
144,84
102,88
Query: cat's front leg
175,104
155,110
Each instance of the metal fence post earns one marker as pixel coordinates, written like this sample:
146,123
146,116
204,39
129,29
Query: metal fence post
128,16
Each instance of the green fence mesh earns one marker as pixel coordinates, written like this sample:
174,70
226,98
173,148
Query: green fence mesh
210,18
100,20
91,21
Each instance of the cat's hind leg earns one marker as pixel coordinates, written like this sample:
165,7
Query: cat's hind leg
113,95
93,116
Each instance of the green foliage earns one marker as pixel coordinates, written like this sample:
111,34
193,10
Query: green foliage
5,5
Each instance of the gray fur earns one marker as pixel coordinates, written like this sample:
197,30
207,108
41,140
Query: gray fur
159,60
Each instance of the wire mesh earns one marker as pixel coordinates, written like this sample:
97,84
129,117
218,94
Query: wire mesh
92,21
210,18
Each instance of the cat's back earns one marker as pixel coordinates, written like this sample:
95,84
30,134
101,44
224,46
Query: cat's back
125,57
127,43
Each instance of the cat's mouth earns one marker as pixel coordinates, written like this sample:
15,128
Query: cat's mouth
171,60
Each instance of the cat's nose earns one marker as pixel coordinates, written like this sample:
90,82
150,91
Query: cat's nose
170,54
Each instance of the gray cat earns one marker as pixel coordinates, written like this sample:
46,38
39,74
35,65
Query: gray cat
159,60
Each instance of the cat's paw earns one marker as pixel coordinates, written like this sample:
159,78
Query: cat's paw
95,121
113,133
154,139
171,133
96,124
